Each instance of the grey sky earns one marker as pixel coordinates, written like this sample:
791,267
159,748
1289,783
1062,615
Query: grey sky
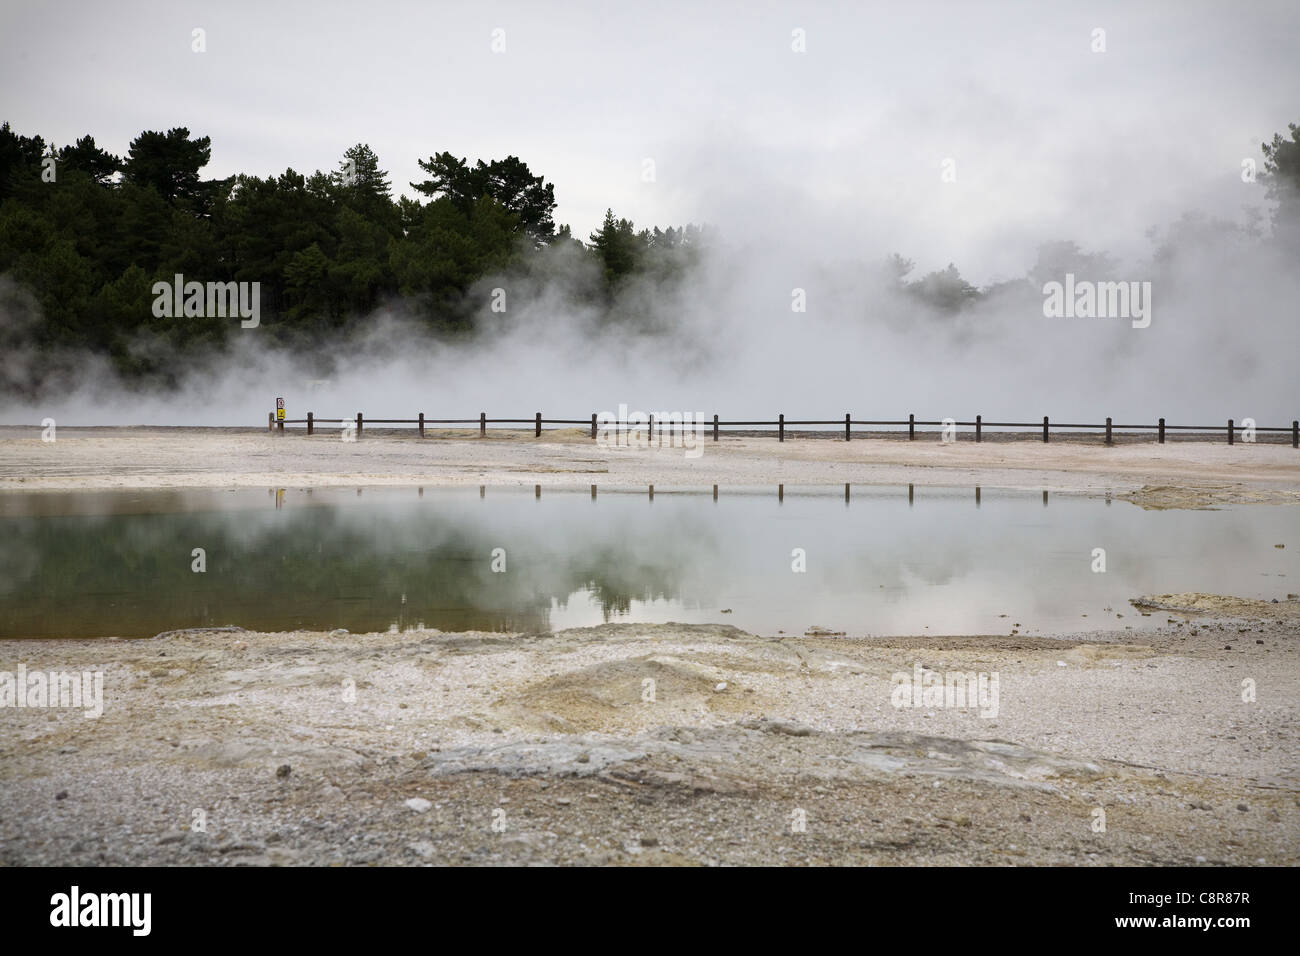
840,145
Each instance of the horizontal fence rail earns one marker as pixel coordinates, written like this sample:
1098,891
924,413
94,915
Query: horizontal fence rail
1232,430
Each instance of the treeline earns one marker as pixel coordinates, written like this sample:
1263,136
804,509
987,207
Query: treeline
85,234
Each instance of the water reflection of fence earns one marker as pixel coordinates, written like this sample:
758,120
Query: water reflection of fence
816,491
675,426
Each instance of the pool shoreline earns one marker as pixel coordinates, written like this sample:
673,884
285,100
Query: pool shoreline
1182,474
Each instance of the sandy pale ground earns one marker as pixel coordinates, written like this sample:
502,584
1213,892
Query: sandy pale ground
1178,474
662,744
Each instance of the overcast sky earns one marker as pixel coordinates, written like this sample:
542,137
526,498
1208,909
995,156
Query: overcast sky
842,144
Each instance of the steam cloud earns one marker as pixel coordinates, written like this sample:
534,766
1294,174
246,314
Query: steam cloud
725,339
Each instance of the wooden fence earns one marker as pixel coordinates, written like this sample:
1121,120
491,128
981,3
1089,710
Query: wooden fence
848,422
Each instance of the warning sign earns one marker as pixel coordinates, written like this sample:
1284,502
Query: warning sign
279,409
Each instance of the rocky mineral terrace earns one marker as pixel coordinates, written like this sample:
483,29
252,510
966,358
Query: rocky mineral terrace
665,744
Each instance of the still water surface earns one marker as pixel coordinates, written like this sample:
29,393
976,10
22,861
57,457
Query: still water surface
885,562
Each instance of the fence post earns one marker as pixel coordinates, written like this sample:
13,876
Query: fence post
482,424
1044,429
1162,431
651,436
537,432
848,435
593,426
1108,430
270,422
359,424
1295,434
911,427
421,424
1229,431
311,423
715,427
780,428
979,427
